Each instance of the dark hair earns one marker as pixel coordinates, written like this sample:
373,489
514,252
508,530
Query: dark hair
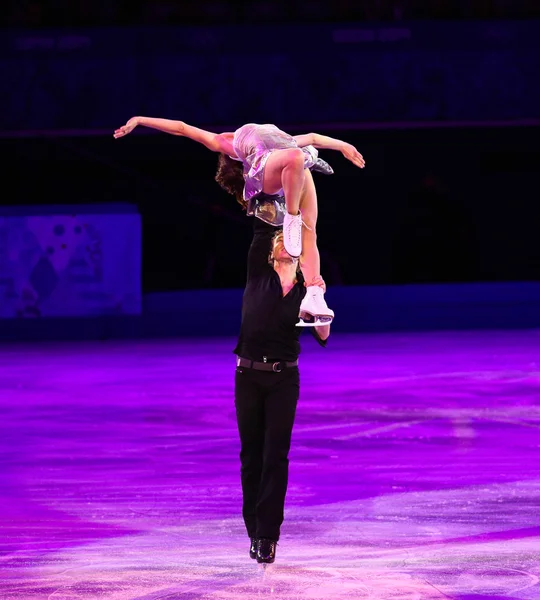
230,176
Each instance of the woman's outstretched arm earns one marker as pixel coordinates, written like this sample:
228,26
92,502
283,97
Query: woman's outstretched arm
217,142
325,142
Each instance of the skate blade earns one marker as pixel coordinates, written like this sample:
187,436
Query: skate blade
306,320
304,324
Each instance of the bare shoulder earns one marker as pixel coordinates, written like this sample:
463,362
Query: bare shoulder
225,143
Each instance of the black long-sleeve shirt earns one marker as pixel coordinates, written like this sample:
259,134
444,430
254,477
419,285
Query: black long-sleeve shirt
269,319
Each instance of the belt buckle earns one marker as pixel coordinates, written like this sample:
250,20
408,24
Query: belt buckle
276,367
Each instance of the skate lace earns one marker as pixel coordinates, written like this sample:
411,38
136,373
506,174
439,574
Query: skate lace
290,227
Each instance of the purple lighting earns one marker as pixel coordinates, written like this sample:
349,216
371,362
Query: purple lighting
415,471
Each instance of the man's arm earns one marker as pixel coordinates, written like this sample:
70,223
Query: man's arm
259,250
323,332
217,142
325,142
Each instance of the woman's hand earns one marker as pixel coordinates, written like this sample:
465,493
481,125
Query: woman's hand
127,128
352,154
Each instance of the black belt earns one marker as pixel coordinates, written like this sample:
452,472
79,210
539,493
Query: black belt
276,366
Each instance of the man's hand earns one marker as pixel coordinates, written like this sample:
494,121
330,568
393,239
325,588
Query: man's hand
127,128
352,154
319,281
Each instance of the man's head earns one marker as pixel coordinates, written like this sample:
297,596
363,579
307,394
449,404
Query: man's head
278,254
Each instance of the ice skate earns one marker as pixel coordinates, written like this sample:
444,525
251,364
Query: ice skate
266,551
253,547
292,234
313,310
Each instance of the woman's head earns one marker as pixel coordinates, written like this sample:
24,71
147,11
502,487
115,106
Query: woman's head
230,176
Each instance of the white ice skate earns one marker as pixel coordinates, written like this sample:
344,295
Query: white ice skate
292,234
313,310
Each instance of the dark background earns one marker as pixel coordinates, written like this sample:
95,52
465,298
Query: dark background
69,13
432,205
442,199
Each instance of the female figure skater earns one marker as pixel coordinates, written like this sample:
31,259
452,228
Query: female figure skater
271,163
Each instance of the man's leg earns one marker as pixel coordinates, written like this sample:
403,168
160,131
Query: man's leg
250,418
280,410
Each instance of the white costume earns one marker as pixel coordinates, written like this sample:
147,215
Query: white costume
253,145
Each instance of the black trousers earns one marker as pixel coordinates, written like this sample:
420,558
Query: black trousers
265,410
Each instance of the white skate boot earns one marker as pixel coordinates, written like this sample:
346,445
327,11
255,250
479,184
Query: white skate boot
313,310
292,234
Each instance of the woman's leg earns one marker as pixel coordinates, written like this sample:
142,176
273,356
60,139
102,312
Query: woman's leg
310,261
284,169
313,303
282,166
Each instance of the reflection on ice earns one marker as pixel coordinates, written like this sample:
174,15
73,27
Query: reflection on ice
415,473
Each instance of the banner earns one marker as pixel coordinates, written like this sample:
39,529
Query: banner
66,265
328,74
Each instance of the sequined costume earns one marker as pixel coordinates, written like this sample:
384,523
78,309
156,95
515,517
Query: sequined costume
253,144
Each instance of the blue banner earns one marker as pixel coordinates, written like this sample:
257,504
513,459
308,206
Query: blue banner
69,263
